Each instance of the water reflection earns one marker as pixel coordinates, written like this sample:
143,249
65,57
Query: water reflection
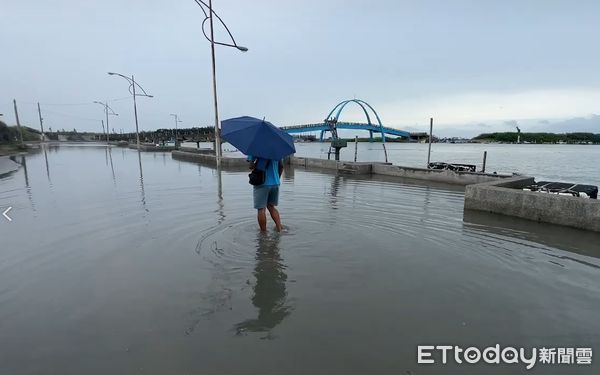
44,147
112,168
269,291
27,186
142,181
221,209
553,236
335,188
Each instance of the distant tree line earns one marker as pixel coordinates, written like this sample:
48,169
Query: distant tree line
206,133
10,134
511,137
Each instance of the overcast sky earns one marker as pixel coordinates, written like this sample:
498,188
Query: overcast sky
473,65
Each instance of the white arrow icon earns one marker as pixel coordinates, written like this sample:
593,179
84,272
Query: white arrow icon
5,214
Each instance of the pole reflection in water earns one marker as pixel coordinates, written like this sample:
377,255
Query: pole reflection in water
142,181
335,188
44,147
112,168
220,203
269,291
27,187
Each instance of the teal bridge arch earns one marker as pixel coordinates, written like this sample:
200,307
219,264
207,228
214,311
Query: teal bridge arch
332,123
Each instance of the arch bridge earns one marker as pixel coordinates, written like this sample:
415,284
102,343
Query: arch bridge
332,123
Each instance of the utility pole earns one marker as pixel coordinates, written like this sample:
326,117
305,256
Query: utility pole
214,79
176,121
137,130
484,161
106,113
102,126
18,122
430,137
41,122
112,112
133,85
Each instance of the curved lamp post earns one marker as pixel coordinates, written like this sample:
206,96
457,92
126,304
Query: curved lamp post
208,16
112,113
132,86
176,121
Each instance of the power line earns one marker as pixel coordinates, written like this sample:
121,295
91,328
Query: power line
75,104
71,116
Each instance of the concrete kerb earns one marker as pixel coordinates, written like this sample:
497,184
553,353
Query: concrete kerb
507,198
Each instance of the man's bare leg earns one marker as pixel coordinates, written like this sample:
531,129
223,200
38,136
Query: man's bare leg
262,219
275,216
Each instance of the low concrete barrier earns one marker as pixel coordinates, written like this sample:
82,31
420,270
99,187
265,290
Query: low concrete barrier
206,151
7,165
507,198
439,175
152,147
210,159
387,169
347,167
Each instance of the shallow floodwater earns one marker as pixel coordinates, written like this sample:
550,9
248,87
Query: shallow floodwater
121,263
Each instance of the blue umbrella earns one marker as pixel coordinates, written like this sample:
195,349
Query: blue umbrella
258,138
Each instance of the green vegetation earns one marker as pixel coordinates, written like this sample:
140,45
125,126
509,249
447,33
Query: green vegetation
10,134
9,138
511,137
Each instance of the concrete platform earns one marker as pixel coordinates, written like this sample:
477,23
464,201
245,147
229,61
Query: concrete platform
506,197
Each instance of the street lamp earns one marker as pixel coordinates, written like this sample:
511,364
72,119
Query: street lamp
132,85
211,39
176,121
112,113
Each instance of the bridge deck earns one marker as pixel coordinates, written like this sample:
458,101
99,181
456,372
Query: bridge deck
345,125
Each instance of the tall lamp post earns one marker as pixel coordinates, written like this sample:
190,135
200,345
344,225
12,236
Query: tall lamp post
112,113
132,86
208,16
176,121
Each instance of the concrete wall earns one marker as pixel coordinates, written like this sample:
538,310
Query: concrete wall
347,167
7,165
151,147
210,159
207,151
387,169
439,175
507,198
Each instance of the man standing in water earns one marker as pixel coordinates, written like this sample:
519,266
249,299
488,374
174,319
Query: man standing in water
266,196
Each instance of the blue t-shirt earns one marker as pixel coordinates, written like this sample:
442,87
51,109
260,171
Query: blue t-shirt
272,172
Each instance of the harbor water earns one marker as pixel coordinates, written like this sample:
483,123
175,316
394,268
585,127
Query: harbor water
119,262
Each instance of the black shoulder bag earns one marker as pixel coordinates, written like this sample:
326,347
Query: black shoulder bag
258,177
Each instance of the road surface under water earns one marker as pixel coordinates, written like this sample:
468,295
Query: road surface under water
122,263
